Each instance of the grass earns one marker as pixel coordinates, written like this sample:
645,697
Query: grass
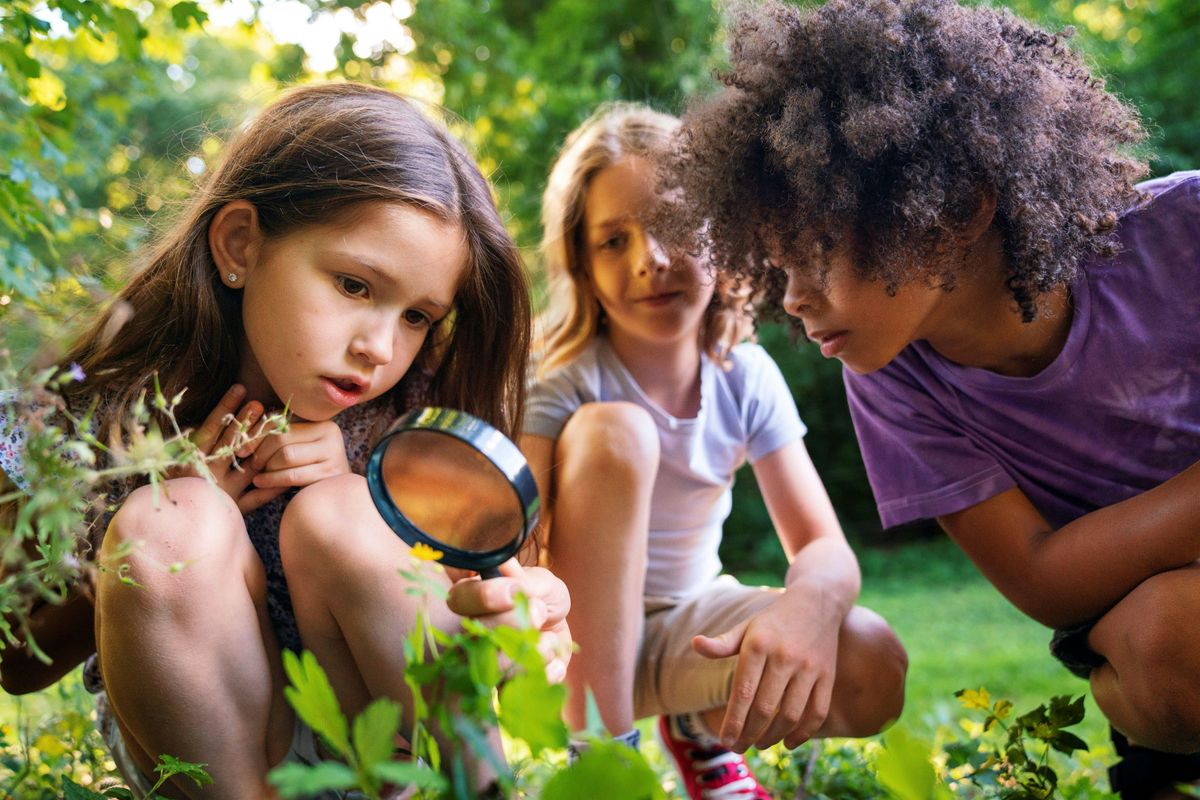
960,633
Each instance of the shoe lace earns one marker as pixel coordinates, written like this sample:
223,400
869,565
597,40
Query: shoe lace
722,775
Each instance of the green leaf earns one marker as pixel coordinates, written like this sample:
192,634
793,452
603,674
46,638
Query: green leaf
1067,742
531,709
483,661
406,773
1065,712
186,12
375,732
605,770
313,698
903,767
301,780
169,766
73,791
129,32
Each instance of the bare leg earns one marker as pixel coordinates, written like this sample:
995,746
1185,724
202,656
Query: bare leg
1149,687
351,604
188,657
606,460
868,690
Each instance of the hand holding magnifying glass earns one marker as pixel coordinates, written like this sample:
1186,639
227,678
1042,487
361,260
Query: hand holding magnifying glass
448,480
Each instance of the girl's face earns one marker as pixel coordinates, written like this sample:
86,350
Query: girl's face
649,295
335,314
855,320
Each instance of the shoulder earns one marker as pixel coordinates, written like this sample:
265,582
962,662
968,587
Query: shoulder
1170,207
749,364
580,376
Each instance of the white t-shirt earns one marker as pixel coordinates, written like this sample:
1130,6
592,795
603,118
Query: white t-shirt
745,414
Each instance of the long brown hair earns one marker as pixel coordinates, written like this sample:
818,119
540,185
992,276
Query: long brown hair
309,158
573,317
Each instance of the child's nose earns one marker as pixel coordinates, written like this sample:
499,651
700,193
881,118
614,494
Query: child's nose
654,256
798,296
374,345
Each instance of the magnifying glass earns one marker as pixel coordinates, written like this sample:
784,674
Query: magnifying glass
447,479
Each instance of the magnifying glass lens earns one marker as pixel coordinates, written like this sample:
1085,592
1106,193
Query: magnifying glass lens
451,491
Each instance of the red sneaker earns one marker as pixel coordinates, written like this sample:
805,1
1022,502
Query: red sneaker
710,773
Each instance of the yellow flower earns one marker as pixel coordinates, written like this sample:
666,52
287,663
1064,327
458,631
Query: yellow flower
424,552
971,698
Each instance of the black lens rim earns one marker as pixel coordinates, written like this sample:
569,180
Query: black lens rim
484,439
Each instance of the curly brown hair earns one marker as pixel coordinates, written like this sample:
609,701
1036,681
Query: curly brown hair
888,120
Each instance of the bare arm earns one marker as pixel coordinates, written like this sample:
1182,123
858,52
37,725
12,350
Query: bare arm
1081,570
64,632
821,560
787,653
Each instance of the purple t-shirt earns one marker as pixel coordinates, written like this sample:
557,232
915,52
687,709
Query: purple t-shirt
1115,414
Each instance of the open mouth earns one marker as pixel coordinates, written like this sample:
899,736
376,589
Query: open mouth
344,391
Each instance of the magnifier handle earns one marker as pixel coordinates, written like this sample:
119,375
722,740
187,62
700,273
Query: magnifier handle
489,572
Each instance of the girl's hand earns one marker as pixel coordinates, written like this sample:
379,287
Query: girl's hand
220,431
783,685
307,453
492,603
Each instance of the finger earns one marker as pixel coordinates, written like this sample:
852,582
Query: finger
295,476
214,423
816,711
741,696
246,416
268,447
792,706
257,498
772,683
723,646
477,598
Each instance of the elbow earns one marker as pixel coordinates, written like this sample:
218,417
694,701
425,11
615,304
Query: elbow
17,681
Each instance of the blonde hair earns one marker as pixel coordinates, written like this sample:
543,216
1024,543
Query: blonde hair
572,318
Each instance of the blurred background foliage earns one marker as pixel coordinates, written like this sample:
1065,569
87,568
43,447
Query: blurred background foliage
111,109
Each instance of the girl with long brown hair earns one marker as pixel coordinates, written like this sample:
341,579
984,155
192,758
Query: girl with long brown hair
345,261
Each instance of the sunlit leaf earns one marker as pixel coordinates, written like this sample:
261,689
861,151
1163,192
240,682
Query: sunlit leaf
312,696
301,780
531,709
605,770
904,768
375,732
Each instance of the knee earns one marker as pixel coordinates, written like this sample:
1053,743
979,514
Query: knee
167,539
871,679
317,522
610,439
1156,670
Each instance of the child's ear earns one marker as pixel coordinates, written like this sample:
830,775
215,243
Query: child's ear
234,238
981,218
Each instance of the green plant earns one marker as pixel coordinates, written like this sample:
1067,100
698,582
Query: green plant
1002,757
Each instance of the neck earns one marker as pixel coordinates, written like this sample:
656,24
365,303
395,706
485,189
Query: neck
668,372
980,325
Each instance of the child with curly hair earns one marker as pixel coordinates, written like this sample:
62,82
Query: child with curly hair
647,402
946,197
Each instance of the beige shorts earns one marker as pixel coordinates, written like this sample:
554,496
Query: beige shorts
673,678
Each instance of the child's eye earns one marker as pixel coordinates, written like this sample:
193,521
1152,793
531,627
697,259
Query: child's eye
613,242
417,318
352,286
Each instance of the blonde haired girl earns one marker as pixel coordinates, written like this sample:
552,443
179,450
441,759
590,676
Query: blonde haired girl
646,403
